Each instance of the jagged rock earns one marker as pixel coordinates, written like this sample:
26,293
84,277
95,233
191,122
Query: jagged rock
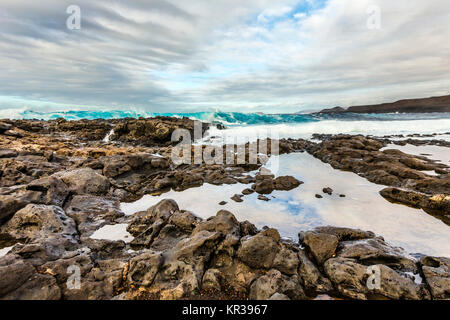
84,181
264,186
286,261
263,198
20,281
8,153
52,191
437,276
345,234
312,280
374,251
143,268
146,225
260,251
184,266
40,221
328,191
274,282
438,204
286,183
10,205
248,229
184,220
237,198
212,279
91,212
321,245
247,191
4,126
351,280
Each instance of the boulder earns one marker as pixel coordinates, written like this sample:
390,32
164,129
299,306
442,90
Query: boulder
274,282
260,251
437,275
376,251
84,181
143,268
8,153
286,183
92,212
40,221
52,191
321,245
312,279
9,205
352,280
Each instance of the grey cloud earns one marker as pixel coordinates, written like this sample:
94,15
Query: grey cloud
124,47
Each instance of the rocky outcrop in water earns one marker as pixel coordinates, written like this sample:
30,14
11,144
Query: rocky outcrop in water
60,183
176,255
393,168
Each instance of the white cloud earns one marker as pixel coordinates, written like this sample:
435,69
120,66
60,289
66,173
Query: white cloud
274,12
191,55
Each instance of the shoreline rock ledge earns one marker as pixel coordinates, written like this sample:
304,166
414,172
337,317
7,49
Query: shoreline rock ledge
176,255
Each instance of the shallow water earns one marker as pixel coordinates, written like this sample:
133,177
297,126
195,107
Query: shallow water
4,251
114,232
299,209
244,133
441,154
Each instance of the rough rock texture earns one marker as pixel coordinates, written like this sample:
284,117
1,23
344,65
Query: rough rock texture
437,276
60,182
181,256
390,167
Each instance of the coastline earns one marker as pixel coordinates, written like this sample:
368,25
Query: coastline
62,182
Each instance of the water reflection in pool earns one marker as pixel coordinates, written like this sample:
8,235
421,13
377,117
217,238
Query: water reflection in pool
299,209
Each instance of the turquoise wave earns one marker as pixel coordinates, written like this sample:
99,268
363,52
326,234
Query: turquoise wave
227,118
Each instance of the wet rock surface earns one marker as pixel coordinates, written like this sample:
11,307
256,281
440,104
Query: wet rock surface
179,255
401,172
60,183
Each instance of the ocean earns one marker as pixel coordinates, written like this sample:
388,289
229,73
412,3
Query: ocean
248,126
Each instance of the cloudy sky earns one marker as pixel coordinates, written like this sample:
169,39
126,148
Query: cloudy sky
231,55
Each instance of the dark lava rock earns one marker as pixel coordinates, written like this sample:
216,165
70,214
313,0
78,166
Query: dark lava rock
237,198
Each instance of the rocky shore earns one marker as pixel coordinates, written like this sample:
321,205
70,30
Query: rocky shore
61,181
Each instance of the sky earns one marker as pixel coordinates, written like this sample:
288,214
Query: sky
228,55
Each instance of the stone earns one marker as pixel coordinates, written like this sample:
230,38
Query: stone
10,205
52,191
84,181
258,251
286,261
321,245
312,280
274,282
237,198
345,234
8,153
212,280
40,221
286,183
375,250
143,268
437,276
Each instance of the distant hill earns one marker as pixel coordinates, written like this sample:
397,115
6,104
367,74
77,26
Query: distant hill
425,105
